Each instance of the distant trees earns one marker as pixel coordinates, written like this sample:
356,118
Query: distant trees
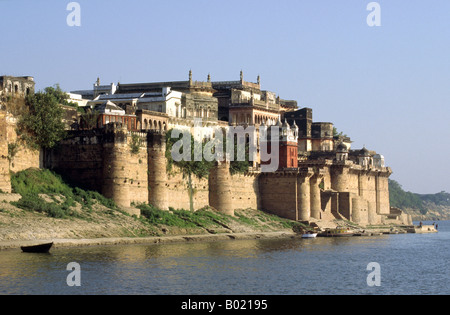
402,199
422,202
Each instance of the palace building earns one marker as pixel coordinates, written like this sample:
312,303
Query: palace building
319,176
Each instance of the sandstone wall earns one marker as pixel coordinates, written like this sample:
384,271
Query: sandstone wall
105,162
245,191
80,160
383,205
279,195
178,192
5,180
24,158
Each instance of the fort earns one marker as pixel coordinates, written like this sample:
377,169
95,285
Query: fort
123,153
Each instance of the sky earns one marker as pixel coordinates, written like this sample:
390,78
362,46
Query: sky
387,86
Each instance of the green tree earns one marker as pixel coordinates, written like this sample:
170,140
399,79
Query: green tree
41,126
200,169
89,118
60,96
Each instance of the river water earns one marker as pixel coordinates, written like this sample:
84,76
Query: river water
409,264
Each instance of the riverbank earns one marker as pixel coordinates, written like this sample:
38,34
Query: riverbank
106,226
61,243
101,225
45,208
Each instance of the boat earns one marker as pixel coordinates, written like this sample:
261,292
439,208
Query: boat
41,248
338,232
309,235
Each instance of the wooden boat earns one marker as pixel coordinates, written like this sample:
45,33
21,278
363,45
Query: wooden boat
309,235
338,232
41,248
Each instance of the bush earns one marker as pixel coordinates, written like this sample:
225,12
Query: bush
33,202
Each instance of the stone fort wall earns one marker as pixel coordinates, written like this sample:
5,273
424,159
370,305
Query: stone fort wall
322,190
5,180
104,162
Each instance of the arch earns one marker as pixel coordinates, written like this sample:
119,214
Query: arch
145,124
159,126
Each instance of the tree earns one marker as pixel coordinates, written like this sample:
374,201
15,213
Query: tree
89,119
60,95
200,169
41,125
337,134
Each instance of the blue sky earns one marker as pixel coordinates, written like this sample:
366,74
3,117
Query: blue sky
387,87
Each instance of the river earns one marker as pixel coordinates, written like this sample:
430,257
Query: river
408,264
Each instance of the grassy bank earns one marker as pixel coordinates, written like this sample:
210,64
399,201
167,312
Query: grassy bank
46,207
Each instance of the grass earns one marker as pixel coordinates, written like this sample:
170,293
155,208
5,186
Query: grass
182,218
31,183
209,219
